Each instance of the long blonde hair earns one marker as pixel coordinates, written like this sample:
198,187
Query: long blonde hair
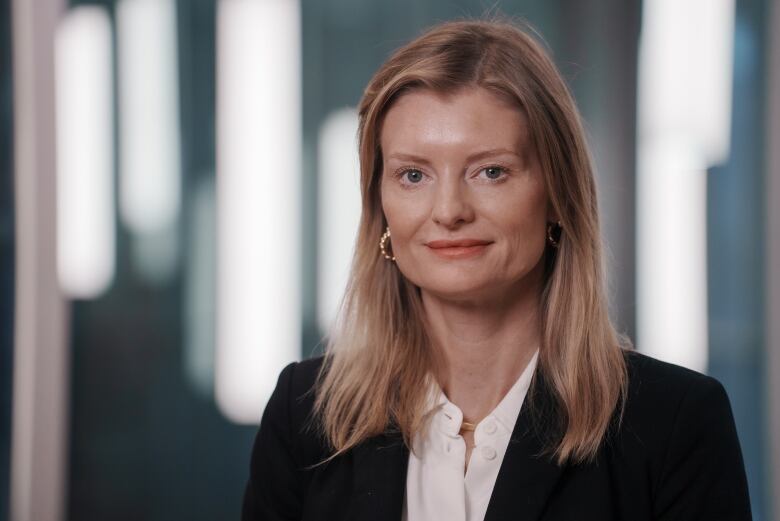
377,364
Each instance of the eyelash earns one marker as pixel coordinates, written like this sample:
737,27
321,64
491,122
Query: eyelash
405,169
503,169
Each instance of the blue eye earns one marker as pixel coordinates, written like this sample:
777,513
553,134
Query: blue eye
494,173
415,176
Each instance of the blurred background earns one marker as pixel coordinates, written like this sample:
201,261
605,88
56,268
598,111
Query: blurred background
179,197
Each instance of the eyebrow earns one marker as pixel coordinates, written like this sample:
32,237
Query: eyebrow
473,157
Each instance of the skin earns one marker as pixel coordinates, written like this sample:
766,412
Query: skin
482,312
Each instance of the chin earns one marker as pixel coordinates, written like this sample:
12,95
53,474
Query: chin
458,290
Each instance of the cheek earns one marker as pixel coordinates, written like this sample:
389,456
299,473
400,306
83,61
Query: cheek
402,211
522,219
404,220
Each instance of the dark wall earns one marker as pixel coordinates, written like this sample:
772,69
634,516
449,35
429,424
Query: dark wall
735,242
144,445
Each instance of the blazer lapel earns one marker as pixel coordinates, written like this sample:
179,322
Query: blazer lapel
525,479
380,478
524,484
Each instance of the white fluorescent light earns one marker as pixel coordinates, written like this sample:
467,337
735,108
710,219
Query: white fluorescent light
685,73
339,209
149,135
85,152
149,173
258,194
683,128
672,253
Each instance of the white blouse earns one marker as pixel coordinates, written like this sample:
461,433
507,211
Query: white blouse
436,487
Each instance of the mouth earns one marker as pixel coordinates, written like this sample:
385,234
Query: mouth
458,249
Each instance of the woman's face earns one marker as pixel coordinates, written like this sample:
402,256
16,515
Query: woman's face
461,168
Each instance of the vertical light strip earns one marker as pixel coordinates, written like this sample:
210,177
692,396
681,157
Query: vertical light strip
339,209
671,257
85,153
199,288
684,123
149,134
258,200
39,433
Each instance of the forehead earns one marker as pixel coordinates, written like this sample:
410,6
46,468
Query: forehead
471,118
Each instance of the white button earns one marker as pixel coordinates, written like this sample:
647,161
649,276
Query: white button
488,453
490,427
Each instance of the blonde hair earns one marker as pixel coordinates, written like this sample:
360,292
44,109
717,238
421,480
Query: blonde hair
376,371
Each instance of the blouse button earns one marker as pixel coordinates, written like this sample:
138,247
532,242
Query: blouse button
490,427
489,453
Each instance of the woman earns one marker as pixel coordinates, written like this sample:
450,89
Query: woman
474,372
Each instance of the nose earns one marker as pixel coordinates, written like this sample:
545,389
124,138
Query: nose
451,206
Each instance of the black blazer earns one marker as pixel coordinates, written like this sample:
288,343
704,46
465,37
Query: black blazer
676,457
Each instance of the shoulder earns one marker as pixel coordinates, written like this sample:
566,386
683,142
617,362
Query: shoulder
296,385
294,393
668,404
662,394
680,424
662,388
293,399
284,446
650,371
302,375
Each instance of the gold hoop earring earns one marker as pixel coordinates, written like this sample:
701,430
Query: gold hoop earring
554,240
382,241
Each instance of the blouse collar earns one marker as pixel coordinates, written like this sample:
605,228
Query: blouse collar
505,413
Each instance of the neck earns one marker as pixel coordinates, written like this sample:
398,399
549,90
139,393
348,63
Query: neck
482,348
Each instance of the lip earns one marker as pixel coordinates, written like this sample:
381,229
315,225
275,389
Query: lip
458,249
460,243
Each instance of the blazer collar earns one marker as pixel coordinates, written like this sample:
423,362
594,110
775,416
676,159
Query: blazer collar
525,480
380,466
